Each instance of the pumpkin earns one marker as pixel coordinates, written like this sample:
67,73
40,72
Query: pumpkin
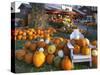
19,37
61,45
61,39
66,63
57,41
24,37
41,49
16,32
27,44
94,43
83,42
85,50
57,61
94,61
20,54
38,59
51,49
33,46
41,44
94,52
47,41
49,58
30,37
28,58
30,33
24,33
61,53
76,49
46,35
87,42
20,32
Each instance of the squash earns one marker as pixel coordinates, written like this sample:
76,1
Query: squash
94,52
30,37
19,37
61,45
33,47
51,49
41,49
83,42
61,53
30,33
24,37
49,58
28,58
20,32
76,49
27,44
85,50
41,44
38,59
57,61
66,63
20,54
94,43
57,41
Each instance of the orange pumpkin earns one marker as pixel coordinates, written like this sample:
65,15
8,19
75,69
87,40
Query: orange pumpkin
41,44
20,32
38,59
33,46
49,58
57,41
24,37
29,58
66,64
19,37
30,33
30,37
76,49
20,54
61,45
81,42
27,44
85,50
94,43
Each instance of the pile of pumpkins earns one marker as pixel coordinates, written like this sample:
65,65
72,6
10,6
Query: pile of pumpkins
81,46
52,52
32,33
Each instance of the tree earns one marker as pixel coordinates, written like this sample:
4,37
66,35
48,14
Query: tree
39,16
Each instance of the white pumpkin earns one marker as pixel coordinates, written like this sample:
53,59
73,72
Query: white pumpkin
41,50
61,53
94,52
47,41
41,39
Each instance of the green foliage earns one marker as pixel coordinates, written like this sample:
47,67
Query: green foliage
56,25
